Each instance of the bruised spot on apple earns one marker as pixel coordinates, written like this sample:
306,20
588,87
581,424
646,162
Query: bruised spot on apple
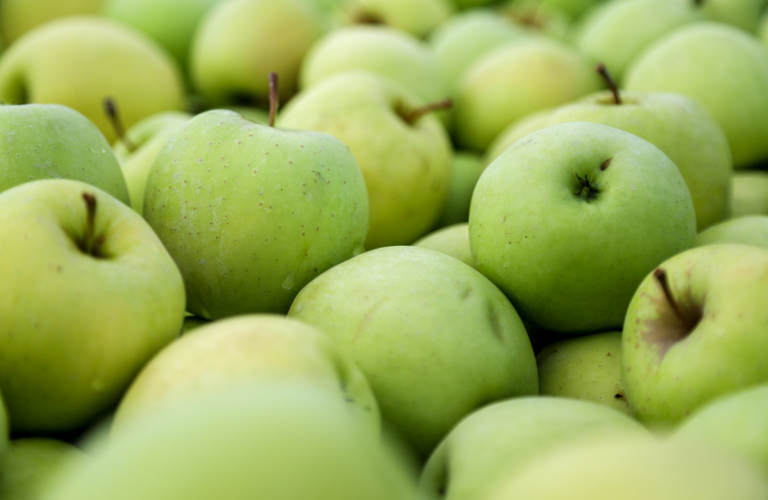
677,318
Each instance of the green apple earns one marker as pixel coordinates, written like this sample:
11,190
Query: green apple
528,124
32,464
763,28
252,213
192,323
19,16
45,141
614,33
384,51
747,230
500,439
586,368
602,209
694,331
271,441
466,170
435,339
404,157
680,127
240,42
417,17
452,240
468,4
89,295
735,421
743,14
171,23
239,350
538,18
146,138
467,36
724,69
750,193
81,61
632,468
492,95
573,8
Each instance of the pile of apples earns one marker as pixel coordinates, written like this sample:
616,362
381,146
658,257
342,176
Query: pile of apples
383,249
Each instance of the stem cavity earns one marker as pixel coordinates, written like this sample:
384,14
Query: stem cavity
603,71
274,98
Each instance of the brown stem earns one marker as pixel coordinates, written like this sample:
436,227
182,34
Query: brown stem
90,244
698,3
412,116
110,108
661,278
603,71
274,98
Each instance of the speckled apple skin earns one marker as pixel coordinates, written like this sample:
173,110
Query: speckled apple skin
252,213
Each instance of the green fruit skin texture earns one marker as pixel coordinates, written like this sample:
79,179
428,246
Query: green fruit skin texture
252,213
747,230
667,373
42,141
567,264
435,339
74,329
32,464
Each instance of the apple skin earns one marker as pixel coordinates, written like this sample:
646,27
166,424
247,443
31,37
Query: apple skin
747,230
434,338
735,421
407,166
467,168
570,264
44,141
679,126
451,240
586,368
242,349
252,213
499,440
19,16
750,193
34,463
417,17
723,68
270,440
709,342
80,61
76,327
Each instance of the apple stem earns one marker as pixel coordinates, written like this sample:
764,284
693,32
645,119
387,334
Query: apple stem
661,278
274,98
603,71
413,115
110,108
365,17
91,245
698,3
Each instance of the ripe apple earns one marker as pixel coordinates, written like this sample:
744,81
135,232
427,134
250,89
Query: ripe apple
435,339
252,213
417,17
748,230
568,233
466,169
19,16
32,464
750,193
89,295
693,331
452,240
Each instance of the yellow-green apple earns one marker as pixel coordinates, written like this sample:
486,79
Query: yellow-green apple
269,440
240,350
736,421
89,295
692,332
743,14
500,439
405,155
539,18
240,42
747,230
252,213
679,126
19,16
573,8
633,468
417,17
724,69
586,368
43,141
32,464
451,240
492,93
435,339
571,218
145,139
749,193
81,61
465,172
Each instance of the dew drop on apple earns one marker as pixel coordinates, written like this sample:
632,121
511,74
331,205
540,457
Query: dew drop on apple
289,281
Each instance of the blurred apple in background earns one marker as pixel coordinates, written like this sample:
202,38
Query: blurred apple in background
743,14
466,170
81,61
568,233
748,230
32,464
694,331
435,338
45,141
404,155
89,295
750,193
19,16
724,69
451,240
417,17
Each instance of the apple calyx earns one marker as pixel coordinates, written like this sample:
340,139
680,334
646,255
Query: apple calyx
274,98
110,108
366,17
411,116
698,3
682,322
586,190
90,243
602,70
